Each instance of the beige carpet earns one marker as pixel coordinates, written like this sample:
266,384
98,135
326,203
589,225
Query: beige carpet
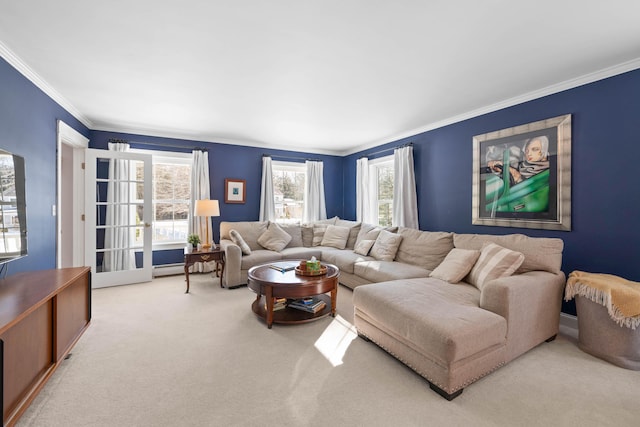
155,356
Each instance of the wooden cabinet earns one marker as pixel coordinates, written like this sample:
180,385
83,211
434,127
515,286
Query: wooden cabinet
42,315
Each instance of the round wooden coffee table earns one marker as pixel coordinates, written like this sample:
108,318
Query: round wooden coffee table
271,281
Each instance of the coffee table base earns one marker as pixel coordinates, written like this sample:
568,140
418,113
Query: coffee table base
291,315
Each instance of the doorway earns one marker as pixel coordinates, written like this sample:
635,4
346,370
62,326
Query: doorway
69,211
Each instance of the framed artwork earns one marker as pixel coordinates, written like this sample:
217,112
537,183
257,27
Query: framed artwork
234,190
522,176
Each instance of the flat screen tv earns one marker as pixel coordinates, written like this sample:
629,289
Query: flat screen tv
13,207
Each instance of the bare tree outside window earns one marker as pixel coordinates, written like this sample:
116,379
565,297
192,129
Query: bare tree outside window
288,189
385,194
171,205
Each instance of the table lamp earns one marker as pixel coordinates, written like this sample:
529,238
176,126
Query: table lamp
207,208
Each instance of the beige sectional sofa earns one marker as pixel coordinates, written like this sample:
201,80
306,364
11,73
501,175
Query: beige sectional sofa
453,307
418,253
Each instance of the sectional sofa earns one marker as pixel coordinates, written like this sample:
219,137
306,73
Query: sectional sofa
415,252
453,307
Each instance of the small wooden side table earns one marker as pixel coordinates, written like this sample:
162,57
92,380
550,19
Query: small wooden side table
214,254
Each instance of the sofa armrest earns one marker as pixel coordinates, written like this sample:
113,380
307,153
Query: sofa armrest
232,263
530,302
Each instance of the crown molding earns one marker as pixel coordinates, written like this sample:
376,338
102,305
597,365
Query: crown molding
530,96
210,138
41,84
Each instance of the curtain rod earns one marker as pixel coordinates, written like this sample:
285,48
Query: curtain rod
386,149
291,158
154,144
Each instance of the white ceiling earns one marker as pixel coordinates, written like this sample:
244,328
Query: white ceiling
326,76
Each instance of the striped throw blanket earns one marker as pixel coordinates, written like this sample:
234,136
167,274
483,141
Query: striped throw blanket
621,297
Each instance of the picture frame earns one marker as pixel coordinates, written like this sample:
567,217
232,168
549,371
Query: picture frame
534,190
234,190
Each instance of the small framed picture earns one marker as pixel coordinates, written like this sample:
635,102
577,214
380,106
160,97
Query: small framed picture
234,190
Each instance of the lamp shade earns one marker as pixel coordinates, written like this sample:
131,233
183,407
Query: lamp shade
206,208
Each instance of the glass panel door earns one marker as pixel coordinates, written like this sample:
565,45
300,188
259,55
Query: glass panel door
118,222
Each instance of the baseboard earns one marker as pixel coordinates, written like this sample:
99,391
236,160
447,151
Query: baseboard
569,321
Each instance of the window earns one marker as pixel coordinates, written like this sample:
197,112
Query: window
288,190
381,184
171,197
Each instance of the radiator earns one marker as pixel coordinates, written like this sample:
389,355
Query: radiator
168,269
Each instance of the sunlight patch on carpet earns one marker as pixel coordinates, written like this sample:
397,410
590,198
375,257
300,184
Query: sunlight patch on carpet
335,340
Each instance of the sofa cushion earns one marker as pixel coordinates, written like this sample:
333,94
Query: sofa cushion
249,230
301,252
540,253
335,236
380,271
494,262
440,320
386,246
424,248
295,231
343,259
238,240
318,233
456,265
368,232
363,247
307,235
274,238
257,257
354,229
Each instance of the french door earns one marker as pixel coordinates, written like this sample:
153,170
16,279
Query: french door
118,217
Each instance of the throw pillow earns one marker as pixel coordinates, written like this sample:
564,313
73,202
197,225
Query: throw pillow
363,247
494,262
354,227
457,264
386,246
336,237
275,238
238,240
367,232
318,233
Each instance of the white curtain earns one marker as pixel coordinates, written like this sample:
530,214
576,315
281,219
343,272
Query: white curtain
314,204
364,210
267,203
118,215
405,200
200,190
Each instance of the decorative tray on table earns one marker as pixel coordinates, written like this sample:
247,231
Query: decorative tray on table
320,272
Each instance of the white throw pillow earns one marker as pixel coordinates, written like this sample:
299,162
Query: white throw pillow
386,246
238,240
494,262
363,247
336,237
275,238
457,264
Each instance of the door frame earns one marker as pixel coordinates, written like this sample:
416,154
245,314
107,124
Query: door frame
78,143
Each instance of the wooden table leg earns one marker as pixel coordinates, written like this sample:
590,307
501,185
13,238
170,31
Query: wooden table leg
186,273
269,299
334,299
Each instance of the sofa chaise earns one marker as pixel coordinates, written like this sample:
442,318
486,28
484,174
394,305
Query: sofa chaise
453,307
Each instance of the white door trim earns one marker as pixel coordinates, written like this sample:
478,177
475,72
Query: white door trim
69,136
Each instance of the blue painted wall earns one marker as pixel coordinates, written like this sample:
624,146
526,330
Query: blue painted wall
236,162
605,191
605,205
28,127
